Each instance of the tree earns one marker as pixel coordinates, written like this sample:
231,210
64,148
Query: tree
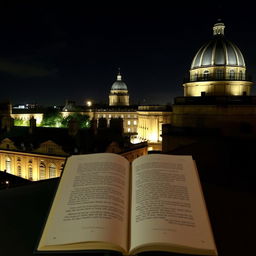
83,120
20,122
52,118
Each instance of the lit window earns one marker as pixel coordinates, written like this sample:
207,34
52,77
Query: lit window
206,74
30,172
129,129
135,122
129,116
52,171
129,122
104,116
109,116
8,165
122,116
19,170
232,74
42,171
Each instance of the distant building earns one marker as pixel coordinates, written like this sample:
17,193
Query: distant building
38,153
141,123
119,93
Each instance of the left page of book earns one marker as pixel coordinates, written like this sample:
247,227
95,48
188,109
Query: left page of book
90,206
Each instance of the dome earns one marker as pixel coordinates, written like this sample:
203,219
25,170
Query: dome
218,52
119,84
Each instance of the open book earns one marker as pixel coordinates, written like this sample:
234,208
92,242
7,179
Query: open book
103,203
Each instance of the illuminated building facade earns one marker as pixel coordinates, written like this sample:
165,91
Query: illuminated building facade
31,166
119,93
27,116
218,69
150,121
129,116
216,96
143,123
38,153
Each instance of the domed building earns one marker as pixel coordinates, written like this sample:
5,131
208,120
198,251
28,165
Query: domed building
218,68
119,93
216,97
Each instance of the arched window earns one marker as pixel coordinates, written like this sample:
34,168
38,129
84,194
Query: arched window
8,164
42,171
232,74
30,172
52,171
19,171
206,75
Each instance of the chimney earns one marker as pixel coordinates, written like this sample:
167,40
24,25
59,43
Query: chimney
7,123
94,126
102,123
117,125
73,127
32,125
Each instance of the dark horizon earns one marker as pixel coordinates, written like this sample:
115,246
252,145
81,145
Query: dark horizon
50,54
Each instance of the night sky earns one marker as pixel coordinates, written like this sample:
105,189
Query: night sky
51,53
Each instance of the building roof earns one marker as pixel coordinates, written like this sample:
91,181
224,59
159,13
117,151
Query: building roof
28,142
119,84
218,51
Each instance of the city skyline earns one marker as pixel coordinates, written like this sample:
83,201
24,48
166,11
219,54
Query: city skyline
53,53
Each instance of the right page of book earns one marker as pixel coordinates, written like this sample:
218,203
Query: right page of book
167,206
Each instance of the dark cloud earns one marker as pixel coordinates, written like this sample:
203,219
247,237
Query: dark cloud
24,70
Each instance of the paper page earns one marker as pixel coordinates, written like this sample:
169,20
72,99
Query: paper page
167,203
91,203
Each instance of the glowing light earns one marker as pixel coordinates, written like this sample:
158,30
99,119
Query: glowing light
153,137
135,140
89,103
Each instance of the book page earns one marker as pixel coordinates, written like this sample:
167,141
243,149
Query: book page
91,203
167,204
